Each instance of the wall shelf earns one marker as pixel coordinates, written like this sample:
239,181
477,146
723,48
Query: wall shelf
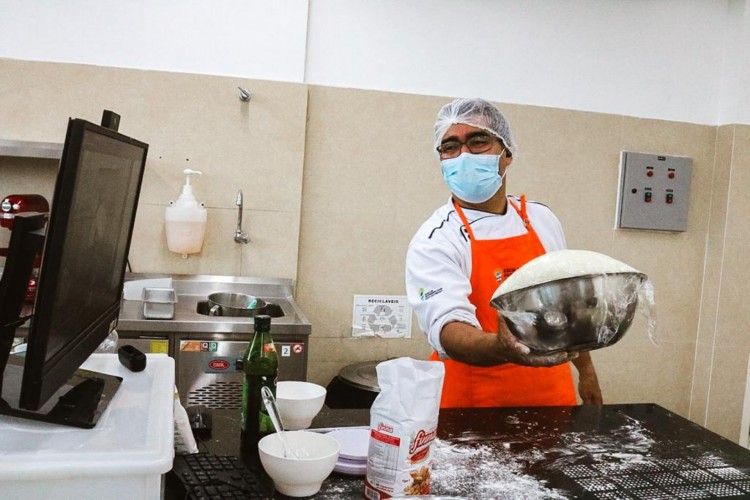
31,149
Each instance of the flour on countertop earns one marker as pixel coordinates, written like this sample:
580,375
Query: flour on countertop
457,467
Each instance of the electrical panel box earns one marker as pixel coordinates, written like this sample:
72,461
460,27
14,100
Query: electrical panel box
653,192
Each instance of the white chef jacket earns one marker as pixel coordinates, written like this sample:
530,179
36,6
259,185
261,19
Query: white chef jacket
438,260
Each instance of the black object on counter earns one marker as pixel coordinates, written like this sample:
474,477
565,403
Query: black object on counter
200,418
341,395
80,402
205,476
132,358
355,386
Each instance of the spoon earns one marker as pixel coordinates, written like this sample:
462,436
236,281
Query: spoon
273,412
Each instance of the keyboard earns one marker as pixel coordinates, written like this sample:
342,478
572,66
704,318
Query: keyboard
204,476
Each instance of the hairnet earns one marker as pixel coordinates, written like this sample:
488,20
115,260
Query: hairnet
477,113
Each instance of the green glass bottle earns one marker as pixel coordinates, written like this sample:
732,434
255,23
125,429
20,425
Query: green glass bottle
261,366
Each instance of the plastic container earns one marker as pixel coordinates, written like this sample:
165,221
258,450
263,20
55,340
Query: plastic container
123,457
185,220
158,303
109,345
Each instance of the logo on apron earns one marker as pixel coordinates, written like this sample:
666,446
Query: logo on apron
503,274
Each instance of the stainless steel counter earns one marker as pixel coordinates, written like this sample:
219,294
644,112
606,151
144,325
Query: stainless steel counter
192,289
206,348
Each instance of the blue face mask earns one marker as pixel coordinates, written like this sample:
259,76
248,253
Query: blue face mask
473,178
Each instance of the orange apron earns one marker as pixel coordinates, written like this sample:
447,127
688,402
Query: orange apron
507,384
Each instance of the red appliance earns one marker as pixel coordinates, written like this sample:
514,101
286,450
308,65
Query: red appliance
18,204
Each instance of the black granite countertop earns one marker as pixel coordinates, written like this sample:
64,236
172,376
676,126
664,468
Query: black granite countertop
610,451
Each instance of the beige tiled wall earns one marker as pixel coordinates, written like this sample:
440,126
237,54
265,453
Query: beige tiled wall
194,121
369,182
336,182
704,352
724,345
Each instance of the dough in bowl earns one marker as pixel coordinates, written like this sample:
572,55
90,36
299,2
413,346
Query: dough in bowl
560,265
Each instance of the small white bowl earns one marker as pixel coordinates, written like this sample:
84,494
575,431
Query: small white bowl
299,477
299,402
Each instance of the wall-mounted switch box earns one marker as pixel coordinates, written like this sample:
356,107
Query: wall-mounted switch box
653,192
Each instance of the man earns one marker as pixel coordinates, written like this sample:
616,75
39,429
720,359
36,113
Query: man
461,254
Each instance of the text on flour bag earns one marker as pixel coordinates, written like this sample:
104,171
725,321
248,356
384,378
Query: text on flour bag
403,426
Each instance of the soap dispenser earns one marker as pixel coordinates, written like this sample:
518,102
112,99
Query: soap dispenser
185,220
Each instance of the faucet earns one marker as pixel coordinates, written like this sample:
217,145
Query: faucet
239,235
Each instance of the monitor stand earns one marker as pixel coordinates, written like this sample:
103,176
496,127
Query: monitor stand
78,403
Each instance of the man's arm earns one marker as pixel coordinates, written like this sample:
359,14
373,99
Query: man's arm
588,382
465,343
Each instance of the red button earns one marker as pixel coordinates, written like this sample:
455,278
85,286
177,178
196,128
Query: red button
650,173
670,175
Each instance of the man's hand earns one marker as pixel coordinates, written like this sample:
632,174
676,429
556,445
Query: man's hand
470,345
519,353
588,382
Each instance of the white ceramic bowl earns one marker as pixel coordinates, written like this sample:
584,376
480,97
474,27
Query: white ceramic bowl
298,403
299,477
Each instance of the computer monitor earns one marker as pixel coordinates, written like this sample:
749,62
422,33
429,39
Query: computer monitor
80,279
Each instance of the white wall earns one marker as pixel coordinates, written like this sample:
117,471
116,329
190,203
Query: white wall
669,59
734,101
655,59
263,39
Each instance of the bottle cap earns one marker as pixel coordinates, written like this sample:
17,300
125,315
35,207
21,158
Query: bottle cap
262,322
187,197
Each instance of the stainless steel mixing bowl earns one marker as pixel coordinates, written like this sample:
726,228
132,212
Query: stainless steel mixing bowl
235,304
572,314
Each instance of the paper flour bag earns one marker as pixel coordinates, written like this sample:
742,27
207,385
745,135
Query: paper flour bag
403,425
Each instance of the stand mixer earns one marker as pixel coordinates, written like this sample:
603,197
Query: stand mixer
16,204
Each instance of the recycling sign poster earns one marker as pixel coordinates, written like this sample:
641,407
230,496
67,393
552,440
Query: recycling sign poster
387,316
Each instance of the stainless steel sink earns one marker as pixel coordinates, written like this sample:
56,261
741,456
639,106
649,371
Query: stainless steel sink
205,348
194,289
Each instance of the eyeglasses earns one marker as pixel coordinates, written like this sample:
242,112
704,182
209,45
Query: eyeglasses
479,143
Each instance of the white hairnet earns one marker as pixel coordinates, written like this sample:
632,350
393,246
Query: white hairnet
477,113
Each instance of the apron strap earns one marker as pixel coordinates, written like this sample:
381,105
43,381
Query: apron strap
460,213
521,210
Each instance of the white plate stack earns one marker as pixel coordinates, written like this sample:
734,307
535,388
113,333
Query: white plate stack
353,453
